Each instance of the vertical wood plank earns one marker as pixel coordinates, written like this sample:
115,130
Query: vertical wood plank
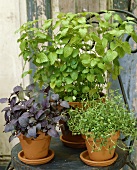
67,6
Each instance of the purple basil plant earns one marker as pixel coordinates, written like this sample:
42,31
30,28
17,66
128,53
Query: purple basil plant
30,111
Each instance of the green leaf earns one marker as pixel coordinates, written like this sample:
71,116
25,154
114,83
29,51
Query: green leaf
75,53
74,75
96,38
68,80
83,32
120,51
129,28
126,47
52,57
99,49
134,36
104,42
100,79
59,51
113,45
85,70
47,24
90,77
41,58
85,89
110,56
64,32
82,20
23,45
63,67
67,51
68,98
74,40
41,35
118,18
58,83
107,16
26,72
101,65
52,85
93,62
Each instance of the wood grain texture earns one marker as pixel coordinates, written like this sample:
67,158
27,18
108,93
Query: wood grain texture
76,6
67,6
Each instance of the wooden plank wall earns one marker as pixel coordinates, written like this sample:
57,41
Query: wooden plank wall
76,6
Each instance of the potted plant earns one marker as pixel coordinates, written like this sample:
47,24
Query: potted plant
32,116
101,123
74,53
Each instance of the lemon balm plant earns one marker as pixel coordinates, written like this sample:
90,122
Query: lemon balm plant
74,59
102,122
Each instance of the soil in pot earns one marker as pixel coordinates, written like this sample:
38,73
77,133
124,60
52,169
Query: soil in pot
35,148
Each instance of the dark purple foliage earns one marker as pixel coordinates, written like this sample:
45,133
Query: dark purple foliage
27,114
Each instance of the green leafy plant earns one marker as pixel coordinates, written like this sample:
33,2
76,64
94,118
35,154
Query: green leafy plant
73,53
103,118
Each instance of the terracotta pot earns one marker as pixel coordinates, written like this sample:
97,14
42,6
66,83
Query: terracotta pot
67,134
105,153
35,148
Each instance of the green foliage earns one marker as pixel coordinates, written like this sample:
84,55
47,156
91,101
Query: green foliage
102,118
74,58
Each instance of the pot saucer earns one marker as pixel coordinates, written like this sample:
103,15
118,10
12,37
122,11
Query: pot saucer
36,161
73,144
85,158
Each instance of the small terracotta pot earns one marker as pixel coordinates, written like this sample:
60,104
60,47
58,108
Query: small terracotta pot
35,148
105,153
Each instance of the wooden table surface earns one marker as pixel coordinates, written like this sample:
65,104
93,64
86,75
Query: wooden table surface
65,158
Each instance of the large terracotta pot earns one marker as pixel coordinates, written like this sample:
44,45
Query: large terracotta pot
105,153
35,148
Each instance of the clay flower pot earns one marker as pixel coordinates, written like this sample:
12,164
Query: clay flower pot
105,153
73,141
35,148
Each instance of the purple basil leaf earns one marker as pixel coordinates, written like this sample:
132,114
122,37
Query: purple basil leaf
55,97
7,115
33,108
38,115
38,126
53,133
32,131
64,104
11,138
17,107
44,123
30,87
14,121
45,103
13,102
29,102
32,120
8,127
17,89
6,109
43,116
56,119
3,100
23,121
25,114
